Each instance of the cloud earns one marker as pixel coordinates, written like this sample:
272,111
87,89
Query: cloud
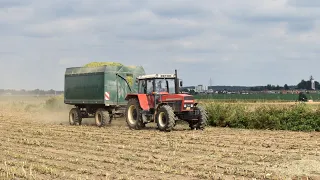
13,3
60,27
245,42
305,3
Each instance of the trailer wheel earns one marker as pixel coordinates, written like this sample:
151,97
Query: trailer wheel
101,117
133,115
165,118
75,116
202,119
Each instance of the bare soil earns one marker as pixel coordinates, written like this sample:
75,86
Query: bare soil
40,144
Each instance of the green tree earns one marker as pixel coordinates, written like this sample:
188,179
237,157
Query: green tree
286,87
302,97
269,87
302,84
317,85
192,92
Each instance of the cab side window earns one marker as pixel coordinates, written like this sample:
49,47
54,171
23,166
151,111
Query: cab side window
142,87
149,86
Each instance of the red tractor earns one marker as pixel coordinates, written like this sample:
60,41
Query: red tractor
159,100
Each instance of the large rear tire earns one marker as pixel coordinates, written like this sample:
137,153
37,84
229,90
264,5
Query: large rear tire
102,117
165,118
75,116
133,115
202,121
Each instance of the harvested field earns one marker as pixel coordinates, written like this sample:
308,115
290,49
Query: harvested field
40,144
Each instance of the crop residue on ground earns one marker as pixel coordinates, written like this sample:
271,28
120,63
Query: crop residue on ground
32,148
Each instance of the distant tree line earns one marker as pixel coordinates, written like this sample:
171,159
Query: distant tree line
301,85
29,92
269,87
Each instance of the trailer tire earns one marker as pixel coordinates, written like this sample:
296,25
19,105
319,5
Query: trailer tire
101,117
133,114
165,112
202,121
75,116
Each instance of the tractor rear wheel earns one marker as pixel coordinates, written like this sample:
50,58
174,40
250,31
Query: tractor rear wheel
133,115
75,116
165,118
202,119
102,117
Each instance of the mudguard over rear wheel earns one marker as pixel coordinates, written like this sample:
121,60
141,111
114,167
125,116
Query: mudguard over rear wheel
133,114
75,116
201,123
102,117
165,118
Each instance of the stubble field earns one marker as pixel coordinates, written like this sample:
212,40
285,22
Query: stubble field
40,144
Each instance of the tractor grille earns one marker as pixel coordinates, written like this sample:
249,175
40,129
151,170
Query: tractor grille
189,98
176,105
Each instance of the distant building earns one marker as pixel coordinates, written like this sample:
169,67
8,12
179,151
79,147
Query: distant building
199,88
313,87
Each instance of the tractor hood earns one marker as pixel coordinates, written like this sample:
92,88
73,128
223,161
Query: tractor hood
177,97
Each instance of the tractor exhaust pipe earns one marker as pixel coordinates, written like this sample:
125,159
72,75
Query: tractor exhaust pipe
177,88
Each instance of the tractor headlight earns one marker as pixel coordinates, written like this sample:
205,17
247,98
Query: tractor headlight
185,105
191,105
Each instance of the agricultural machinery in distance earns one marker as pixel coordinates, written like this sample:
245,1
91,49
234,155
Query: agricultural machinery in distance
159,100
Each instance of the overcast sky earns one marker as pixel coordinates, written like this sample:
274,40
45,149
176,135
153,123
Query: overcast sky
234,42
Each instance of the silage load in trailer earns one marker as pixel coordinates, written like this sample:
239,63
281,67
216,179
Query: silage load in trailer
99,64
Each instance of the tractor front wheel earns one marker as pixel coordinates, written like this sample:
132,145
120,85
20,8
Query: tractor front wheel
202,119
102,117
75,116
133,114
165,118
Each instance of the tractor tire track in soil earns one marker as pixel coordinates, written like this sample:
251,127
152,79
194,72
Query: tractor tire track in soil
32,148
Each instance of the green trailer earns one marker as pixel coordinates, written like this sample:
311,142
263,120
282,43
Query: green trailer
99,92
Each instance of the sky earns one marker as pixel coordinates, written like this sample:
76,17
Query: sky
233,42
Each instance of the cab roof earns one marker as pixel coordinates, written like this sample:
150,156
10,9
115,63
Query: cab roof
152,76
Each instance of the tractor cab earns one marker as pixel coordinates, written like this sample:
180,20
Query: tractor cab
158,84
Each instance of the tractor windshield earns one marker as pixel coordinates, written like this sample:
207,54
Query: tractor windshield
165,85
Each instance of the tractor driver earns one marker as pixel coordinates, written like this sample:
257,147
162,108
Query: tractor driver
159,86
